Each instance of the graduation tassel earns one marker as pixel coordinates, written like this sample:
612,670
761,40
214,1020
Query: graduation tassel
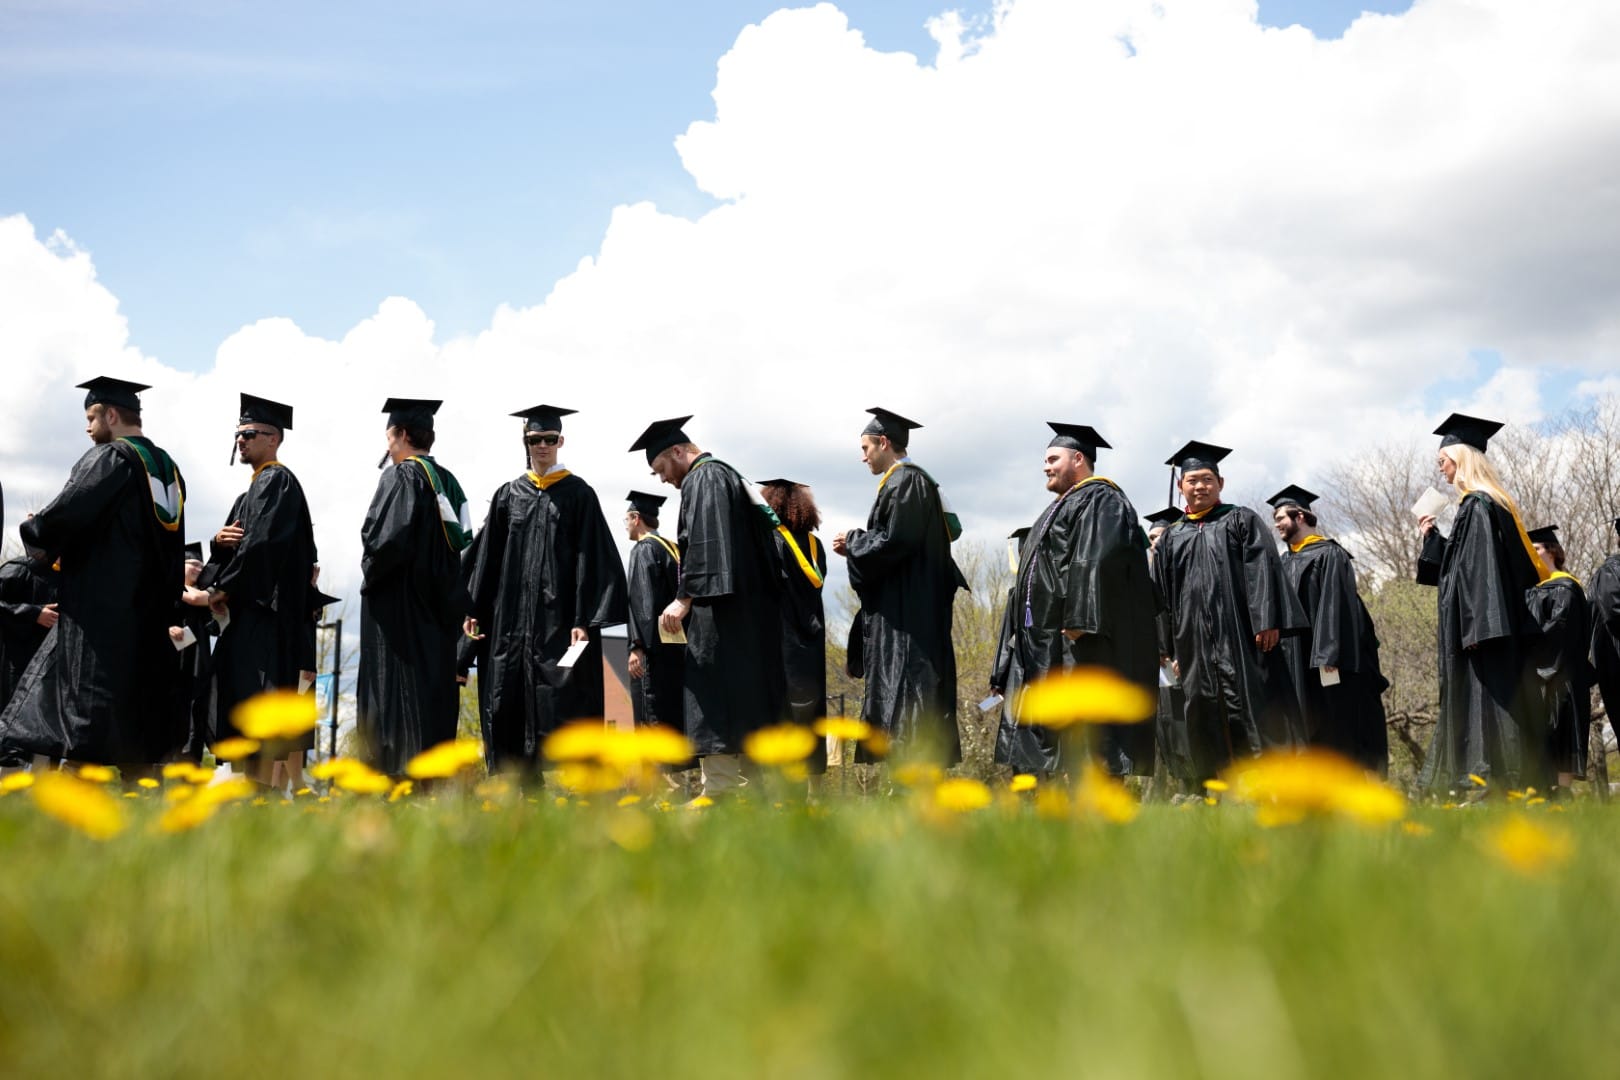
382,461
233,451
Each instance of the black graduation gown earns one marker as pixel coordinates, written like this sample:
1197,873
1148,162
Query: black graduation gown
804,638
1563,678
193,691
901,568
1347,717
1605,615
1084,568
734,682
1487,724
411,607
543,563
654,580
26,586
1224,583
100,688
266,578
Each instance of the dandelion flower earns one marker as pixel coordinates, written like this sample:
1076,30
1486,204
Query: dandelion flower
629,800
589,778
186,816
1101,796
148,783
1476,780
85,806
1216,785
1290,786
445,760
364,781
16,782
1530,847
1023,782
842,727
98,774
780,744
1084,695
660,745
961,794
332,768
1415,828
918,774
235,748
277,714
399,791
702,802
579,741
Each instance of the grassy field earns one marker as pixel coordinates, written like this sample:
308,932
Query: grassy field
860,938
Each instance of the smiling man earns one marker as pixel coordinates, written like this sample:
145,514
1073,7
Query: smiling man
1082,596
1229,605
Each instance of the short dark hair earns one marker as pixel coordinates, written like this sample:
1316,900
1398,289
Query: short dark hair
648,518
126,414
419,437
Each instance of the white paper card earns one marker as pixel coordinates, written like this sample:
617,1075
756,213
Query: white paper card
990,702
1429,504
677,638
575,651
187,639
1329,678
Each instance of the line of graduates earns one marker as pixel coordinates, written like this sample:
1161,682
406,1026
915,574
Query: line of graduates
106,621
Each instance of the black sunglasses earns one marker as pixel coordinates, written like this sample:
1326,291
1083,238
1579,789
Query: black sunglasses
542,440
249,435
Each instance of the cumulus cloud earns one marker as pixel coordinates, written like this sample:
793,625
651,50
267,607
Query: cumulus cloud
1159,218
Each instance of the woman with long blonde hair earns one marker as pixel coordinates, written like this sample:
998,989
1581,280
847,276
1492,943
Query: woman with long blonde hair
1488,732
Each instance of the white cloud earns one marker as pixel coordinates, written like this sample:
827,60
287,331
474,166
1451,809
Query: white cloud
1158,218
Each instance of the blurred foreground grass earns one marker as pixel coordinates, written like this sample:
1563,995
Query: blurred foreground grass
522,938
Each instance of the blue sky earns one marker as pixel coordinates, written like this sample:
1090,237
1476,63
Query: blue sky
225,162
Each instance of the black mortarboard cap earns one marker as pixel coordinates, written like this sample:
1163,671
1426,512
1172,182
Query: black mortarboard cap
1168,516
1019,533
1294,495
319,601
660,436
1199,455
120,393
643,503
411,412
258,410
1547,534
1077,437
194,550
896,428
544,417
778,482
1468,430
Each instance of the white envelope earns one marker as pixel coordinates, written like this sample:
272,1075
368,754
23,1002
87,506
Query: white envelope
575,651
677,638
990,702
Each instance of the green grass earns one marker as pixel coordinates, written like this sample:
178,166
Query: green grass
439,938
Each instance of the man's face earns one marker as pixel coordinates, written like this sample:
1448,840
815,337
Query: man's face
1447,467
1201,488
1064,468
193,571
256,443
875,453
96,425
398,448
1289,525
543,449
632,522
1551,554
671,466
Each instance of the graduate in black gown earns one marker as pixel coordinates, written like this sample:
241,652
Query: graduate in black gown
1230,605
100,688
901,568
1169,722
1488,725
544,575
727,602
1605,614
1335,666
1082,597
194,689
656,666
1563,676
27,613
412,601
804,628
261,573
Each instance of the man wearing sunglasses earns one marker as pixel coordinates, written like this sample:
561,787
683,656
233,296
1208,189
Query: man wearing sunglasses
544,575
260,578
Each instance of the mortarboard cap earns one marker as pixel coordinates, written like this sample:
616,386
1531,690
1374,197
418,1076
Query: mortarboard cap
1015,546
1199,455
1168,516
1077,437
1468,430
643,503
120,393
258,410
411,412
891,425
544,417
194,550
660,436
1293,495
1547,534
319,601
779,482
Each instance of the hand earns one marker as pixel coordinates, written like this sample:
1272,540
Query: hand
670,621
469,626
177,634
997,691
1330,670
230,535
307,677
47,616
194,596
1425,525
218,602
461,680
314,575
1074,635
578,634
638,663
1267,639
841,544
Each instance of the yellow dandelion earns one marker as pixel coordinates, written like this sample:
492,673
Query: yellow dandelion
918,774
661,745
1295,785
16,782
702,802
445,759
180,793
1101,796
1217,785
1085,695
780,744
176,770
98,774
400,790
1530,847
589,778
82,805
629,800
1537,801
235,789
277,714
186,816
961,794
561,800
235,748
196,774
1415,828
132,794
579,741
148,783
1476,780
364,781
877,743
842,727
493,787
1023,782
1052,802
302,792
332,768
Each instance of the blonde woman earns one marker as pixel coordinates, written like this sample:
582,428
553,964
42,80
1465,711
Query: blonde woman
1488,726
